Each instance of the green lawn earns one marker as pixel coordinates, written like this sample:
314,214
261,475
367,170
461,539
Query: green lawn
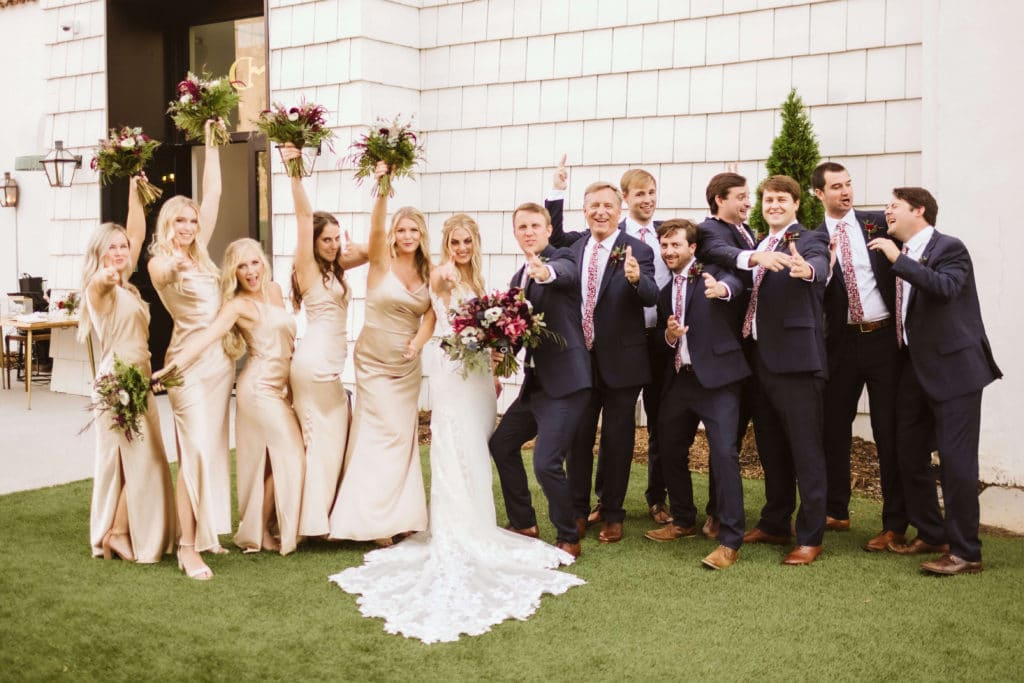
648,612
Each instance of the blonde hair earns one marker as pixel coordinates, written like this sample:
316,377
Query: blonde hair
233,342
635,177
422,255
163,236
99,242
599,185
465,222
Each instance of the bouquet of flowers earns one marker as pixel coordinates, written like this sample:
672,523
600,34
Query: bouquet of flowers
69,304
393,143
498,321
303,126
124,154
125,392
201,98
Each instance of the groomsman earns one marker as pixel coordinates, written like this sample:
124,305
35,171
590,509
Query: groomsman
702,376
640,191
949,363
723,235
859,302
783,318
617,282
555,389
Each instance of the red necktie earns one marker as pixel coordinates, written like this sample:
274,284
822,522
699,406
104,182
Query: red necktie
643,235
899,308
849,278
591,300
680,285
748,320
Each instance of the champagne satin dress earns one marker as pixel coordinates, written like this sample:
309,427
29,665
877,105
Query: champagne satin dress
139,465
201,406
381,492
320,401
266,427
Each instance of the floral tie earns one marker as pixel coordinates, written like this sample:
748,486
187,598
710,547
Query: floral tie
849,278
748,320
643,234
680,285
745,236
591,300
899,308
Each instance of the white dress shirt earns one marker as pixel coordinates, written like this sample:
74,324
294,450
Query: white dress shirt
870,298
743,262
662,275
915,248
602,262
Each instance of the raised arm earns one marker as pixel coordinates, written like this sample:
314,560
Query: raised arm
135,226
210,207
305,262
380,258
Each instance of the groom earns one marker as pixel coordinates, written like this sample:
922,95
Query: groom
555,387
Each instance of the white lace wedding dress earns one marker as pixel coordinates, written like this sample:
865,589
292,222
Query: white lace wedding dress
464,574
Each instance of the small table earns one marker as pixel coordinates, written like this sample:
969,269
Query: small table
37,326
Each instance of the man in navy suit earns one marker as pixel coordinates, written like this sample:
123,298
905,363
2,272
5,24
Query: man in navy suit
617,283
702,376
859,303
640,191
555,389
784,319
949,363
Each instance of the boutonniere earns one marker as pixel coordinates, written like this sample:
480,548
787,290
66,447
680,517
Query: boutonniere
871,229
790,237
617,256
923,260
695,272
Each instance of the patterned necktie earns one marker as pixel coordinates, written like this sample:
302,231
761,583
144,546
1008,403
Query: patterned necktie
591,300
748,320
899,308
643,234
849,278
745,236
680,284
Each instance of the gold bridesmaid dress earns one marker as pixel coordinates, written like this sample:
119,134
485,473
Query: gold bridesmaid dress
265,427
381,492
320,400
201,406
143,461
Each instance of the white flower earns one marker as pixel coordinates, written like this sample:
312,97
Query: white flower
469,334
492,314
137,131
123,397
128,143
294,116
185,99
214,83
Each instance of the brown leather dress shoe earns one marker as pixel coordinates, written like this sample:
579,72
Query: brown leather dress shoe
917,547
581,527
755,535
803,554
837,524
949,565
595,515
531,531
721,557
611,532
710,528
571,548
881,542
659,514
671,532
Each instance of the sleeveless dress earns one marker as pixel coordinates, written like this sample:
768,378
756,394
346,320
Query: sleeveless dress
201,406
143,461
381,492
464,574
266,427
321,403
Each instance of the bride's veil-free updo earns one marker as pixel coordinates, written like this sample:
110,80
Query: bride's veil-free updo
466,222
236,252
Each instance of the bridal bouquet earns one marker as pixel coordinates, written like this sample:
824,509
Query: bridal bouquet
303,126
124,154
396,145
199,99
499,321
125,392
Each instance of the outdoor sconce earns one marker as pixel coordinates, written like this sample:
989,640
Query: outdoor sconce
60,165
9,191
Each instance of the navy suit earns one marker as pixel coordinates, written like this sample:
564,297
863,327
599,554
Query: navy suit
708,391
791,369
950,362
855,358
550,402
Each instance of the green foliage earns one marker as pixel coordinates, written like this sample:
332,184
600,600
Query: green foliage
302,126
394,143
199,99
794,153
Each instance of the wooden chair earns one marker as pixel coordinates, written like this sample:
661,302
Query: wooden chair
17,359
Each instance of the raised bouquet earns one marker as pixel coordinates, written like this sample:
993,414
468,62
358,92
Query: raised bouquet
499,321
303,126
124,154
125,393
395,144
69,304
199,99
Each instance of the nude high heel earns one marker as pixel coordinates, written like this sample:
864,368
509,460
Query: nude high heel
200,573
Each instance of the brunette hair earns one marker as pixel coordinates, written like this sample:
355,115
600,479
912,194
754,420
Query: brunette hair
719,186
780,183
674,225
818,177
919,198
327,268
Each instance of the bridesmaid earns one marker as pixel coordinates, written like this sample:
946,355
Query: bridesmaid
318,280
187,282
132,513
381,493
269,454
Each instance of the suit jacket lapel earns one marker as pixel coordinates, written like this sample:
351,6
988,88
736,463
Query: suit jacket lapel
691,287
925,256
611,267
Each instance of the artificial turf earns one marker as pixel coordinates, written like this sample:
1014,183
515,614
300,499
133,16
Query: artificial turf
649,612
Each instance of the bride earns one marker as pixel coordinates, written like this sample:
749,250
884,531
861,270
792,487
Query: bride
464,574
